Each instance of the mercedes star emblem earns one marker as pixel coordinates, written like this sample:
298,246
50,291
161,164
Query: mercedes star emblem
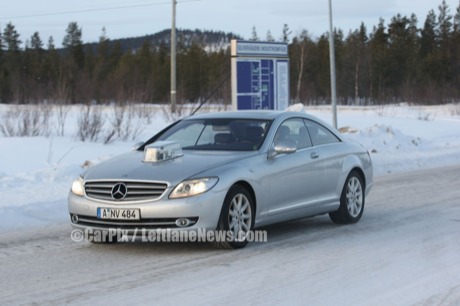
119,191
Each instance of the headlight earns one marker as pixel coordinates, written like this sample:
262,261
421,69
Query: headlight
193,187
77,186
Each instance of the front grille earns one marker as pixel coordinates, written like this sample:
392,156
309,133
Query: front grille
135,191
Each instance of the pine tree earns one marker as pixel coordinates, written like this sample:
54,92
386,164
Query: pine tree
36,42
402,34
11,38
270,37
457,19
73,63
428,49
73,36
51,45
444,24
322,79
36,69
355,79
193,81
1,42
456,53
53,69
73,42
413,61
285,33
254,36
378,45
444,41
12,58
3,78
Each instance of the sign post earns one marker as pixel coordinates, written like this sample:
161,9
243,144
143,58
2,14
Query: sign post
260,75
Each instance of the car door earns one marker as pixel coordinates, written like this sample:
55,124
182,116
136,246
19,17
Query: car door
295,177
327,146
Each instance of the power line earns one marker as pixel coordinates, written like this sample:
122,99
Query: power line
95,10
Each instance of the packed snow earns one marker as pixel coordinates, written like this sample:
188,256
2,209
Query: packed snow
37,172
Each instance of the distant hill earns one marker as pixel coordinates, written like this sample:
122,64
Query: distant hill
212,40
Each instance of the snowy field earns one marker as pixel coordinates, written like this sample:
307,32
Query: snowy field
405,250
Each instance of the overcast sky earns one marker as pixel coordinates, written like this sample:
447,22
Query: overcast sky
142,17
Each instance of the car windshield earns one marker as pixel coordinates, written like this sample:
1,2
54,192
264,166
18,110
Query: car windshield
218,134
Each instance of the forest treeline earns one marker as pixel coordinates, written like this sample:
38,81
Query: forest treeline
402,60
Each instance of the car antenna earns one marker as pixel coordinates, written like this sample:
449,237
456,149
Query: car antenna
210,95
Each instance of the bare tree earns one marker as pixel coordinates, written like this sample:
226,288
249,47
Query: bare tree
125,124
302,45
30,120
90,123
61,113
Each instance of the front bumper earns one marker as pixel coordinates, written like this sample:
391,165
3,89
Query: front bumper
202,211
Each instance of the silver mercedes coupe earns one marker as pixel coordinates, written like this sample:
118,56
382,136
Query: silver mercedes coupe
226,171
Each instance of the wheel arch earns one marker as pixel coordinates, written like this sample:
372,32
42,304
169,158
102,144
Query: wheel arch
251,191
361,174
352,163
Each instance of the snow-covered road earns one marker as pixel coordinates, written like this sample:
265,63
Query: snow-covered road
405,250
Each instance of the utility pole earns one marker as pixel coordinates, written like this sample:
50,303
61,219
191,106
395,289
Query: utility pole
173,58
332,63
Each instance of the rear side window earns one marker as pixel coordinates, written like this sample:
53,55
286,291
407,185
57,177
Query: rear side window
319,134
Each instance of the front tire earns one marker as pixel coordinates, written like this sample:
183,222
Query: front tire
236,218
351,201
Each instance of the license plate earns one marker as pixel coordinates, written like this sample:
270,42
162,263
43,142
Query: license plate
118,214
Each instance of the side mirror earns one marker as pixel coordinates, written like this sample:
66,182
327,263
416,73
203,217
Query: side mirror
283,147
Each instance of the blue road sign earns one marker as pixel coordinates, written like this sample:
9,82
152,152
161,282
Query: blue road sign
260,82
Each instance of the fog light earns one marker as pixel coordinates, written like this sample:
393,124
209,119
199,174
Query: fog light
182,222
74,218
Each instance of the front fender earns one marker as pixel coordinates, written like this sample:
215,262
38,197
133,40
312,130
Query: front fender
363,164
250,171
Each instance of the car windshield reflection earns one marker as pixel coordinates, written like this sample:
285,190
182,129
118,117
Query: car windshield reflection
219,134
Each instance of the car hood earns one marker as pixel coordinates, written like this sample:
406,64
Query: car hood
131,166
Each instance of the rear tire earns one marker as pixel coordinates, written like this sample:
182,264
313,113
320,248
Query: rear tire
236,218
351,201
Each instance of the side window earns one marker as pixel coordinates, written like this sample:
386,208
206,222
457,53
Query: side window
320,134
293,130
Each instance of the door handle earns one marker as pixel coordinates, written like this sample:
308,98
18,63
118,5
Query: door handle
314,155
